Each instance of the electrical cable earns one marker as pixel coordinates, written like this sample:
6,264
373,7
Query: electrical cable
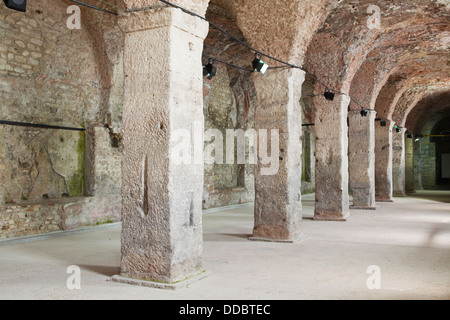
226,63
286,64
94,7
41,126
289,65
228,34
259,52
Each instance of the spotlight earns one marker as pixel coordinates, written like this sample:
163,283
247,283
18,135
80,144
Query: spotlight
383,123
398,129
364,113
209,70
329,96
18,5
259,65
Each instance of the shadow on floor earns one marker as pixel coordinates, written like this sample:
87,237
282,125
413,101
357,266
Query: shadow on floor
432,195
102,270
225,237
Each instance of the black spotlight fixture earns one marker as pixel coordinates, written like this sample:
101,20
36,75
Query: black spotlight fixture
209,70
329,95
364,113
18,5
398,129
259,65
383,123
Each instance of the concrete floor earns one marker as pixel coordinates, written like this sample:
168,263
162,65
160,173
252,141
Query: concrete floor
409,241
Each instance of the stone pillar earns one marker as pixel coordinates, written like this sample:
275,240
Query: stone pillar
409,164
398,164
308,160
162,112
2,170
332,197
418,164
383,161
362,159
278,208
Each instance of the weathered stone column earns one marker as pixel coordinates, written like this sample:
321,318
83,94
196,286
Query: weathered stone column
418,164
398,164
362,159
409,164
332,197
278,208
2,170
383,161
163,105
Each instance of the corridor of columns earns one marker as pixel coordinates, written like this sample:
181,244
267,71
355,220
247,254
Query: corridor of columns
350,122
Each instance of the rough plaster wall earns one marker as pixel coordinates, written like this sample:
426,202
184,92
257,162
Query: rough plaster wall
49,75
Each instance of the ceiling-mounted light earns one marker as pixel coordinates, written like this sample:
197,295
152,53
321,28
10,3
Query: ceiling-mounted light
18,5
209,70
259,65
329,95
364,113
398,129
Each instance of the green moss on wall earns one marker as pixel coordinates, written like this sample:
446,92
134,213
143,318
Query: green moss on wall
76,183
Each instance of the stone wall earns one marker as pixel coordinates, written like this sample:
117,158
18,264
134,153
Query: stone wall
103,160
30,218
229,103
53,75
428,166
49,76
228,107
308,160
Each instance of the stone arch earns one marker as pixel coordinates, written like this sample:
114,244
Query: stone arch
433,105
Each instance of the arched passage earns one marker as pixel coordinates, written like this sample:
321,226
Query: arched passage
440,135
428,142
229,107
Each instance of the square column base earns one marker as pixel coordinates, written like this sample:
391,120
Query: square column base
331,216
362,208
160,285
384,200
262,239
329,219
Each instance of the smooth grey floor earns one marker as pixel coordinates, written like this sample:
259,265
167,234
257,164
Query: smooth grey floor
409,241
